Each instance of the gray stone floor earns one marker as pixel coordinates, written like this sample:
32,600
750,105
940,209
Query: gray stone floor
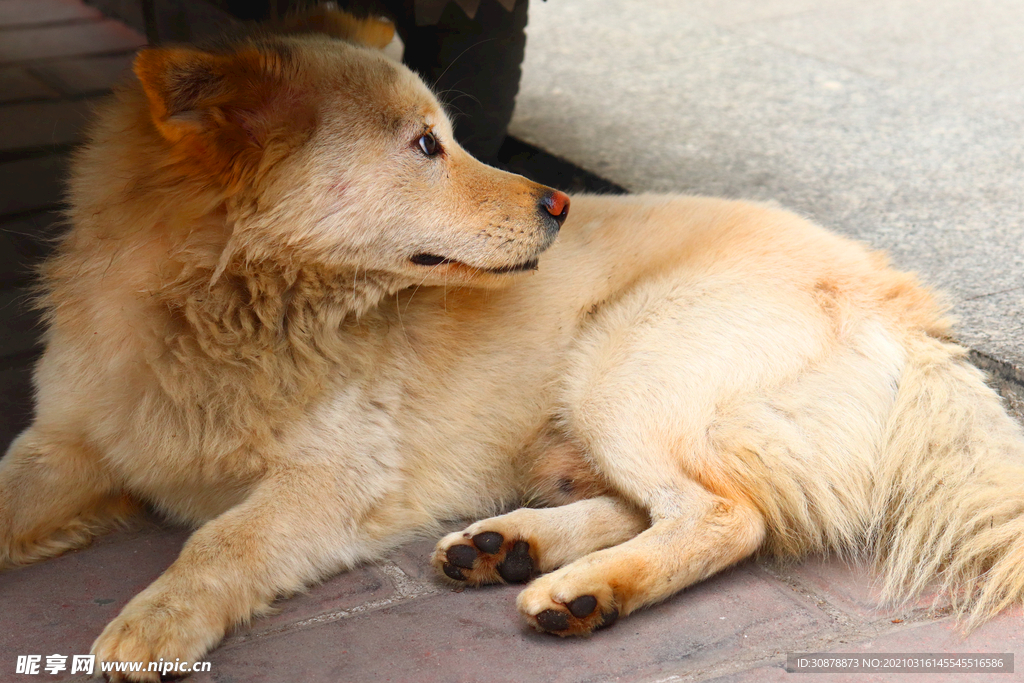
897,122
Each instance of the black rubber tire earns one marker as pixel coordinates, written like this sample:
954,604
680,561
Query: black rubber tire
474,66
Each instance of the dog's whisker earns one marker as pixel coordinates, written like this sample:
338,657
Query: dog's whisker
461,54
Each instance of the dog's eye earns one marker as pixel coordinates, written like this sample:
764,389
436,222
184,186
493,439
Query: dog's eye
428,144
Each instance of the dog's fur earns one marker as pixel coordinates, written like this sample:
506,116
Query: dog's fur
242,335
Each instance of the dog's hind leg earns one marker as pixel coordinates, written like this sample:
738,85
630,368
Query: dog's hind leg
696,534
55,495
644,398
515,547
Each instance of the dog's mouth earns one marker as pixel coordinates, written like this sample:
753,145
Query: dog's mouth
435,260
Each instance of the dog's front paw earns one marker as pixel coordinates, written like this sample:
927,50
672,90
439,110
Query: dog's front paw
477,556
151,629
559,603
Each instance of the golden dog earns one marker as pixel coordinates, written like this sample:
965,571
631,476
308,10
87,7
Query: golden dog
292,310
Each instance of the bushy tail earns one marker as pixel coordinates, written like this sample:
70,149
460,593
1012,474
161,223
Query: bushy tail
949,500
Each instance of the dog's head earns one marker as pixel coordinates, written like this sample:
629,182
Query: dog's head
329,153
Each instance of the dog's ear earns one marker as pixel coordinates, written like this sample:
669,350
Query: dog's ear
192,91
222,110
373,32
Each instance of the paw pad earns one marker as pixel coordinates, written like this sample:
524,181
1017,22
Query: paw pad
490,559
489,541
583,606
461,556
608,618
517,567
553,620
578,617
453,572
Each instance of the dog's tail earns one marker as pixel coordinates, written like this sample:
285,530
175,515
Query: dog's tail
949,500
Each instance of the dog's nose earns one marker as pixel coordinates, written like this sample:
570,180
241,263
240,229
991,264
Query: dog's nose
557,204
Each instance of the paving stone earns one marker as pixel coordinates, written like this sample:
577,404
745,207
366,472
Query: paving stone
84,75
1001,635
764,674
477,635
89,38
42,124
69,599
22,13
854,588
18,84
31,184
770,674
61,605
413,558
342,592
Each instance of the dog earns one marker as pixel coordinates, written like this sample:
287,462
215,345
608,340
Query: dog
292,311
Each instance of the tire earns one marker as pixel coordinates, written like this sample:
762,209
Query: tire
474,66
